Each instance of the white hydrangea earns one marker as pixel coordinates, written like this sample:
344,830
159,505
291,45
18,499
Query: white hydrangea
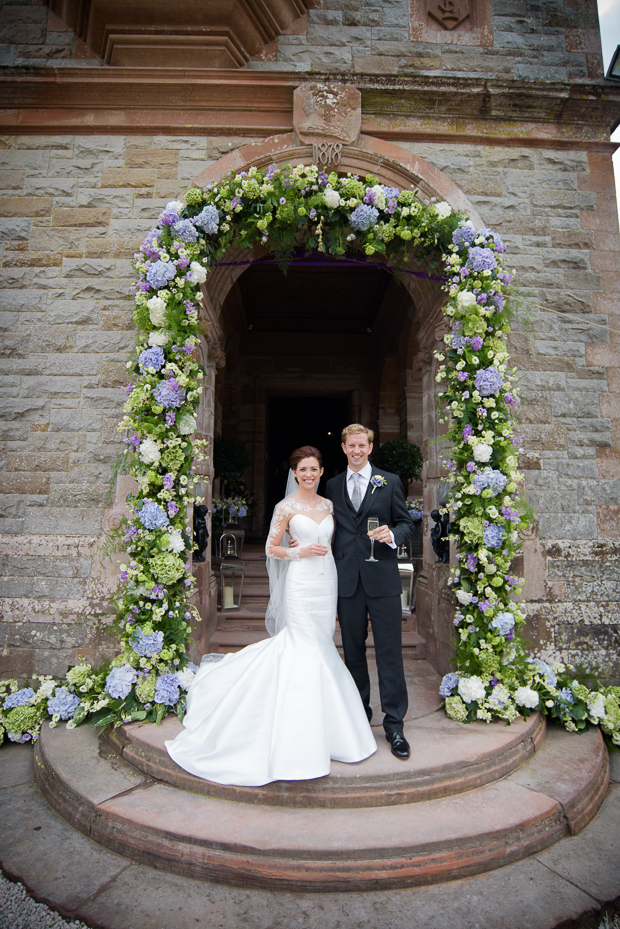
159,337
443,209
157,310
378,192
175,542
596,705
185,678
525,696
197,272
482,452
463,597
471,688
331,198
175,206
186,424
465,299
46,689
149,451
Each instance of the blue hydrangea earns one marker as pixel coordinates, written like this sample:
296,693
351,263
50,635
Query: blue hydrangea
169,394
448,683
147,645
208,219
488,381
391,193
160,273
546,671
495,236
481,259
151,358
63,703
19,698
185,230
490,478
167,689
152,516
567,694
494,536
464,235
504,623
363,217
498,302
119,680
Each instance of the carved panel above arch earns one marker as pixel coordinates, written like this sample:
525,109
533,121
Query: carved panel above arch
452,22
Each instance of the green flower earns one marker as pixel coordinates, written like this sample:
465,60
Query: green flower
285,213
145,688
407,198
167,568
456,709
79,675
251,189
23,719
194,196
353,189
172,459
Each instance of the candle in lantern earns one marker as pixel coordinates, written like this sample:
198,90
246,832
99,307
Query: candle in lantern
229,599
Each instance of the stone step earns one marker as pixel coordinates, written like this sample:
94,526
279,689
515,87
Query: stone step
244,628
376,847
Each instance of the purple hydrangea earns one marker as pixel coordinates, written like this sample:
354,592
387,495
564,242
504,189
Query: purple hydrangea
119,680
504,623
498,302
19,698
490,478
464,235
495,236
481,259
152,516
63,703
167,689
476,343
170,394
364,217
549,675
147,645
494,536
208,219
147,247
467,431
488,381
173,509
168,218
185,230
448,683
160,273
391,193
151,358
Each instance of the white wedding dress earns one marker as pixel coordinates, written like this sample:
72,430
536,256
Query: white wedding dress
282,708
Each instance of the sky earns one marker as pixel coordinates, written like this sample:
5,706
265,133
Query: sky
609,17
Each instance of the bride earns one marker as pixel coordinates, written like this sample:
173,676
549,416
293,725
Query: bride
282,708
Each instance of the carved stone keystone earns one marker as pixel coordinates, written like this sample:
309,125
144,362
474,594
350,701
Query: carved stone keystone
327,112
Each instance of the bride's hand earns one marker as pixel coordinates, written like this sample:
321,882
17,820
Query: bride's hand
313,551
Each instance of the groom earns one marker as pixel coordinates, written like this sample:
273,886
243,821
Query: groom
368,589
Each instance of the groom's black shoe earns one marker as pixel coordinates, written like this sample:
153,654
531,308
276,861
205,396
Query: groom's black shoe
400,745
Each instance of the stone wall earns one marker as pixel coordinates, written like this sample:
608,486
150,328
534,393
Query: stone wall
522,40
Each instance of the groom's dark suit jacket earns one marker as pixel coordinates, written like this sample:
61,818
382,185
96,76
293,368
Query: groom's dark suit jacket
351,544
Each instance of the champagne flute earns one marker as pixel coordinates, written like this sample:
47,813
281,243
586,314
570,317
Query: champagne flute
323,540
372,524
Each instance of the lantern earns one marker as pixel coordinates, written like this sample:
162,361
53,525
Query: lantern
407,578
232,572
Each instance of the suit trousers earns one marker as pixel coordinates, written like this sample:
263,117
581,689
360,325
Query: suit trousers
386,621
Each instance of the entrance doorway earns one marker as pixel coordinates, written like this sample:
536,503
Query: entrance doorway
296,421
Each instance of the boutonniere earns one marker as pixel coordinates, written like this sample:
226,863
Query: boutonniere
377,480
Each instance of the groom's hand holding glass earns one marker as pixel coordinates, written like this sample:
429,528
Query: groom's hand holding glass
381,534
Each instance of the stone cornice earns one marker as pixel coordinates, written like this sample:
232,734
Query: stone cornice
259,103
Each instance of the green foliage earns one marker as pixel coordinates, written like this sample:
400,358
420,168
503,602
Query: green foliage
401,457
230,458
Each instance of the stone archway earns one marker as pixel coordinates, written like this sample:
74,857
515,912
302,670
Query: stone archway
392,166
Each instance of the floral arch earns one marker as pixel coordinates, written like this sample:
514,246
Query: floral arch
403,210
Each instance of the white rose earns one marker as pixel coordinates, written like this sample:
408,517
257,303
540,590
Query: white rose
596,705
525,696
185,678
175,542
175,206
443,209
157,310
465,299
197,273
149,451
471,688
463,597
332,199
159,337
482,452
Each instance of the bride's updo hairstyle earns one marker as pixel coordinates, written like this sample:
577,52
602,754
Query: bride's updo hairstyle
306,451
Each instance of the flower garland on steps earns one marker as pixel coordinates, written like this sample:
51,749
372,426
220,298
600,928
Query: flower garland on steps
285,209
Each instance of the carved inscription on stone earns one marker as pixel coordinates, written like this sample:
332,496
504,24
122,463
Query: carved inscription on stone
449,13
327,154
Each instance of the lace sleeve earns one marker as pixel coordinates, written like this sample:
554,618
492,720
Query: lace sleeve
278,524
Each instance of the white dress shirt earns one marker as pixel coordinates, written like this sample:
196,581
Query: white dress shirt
365,475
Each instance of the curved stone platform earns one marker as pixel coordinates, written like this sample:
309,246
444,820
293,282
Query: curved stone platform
375,845
447,758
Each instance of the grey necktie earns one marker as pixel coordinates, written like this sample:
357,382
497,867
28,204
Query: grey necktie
355,498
